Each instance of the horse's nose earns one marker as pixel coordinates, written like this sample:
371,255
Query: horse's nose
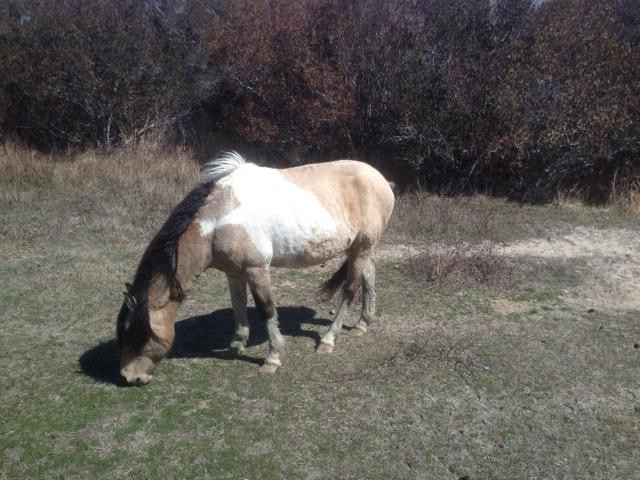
135,378
135,381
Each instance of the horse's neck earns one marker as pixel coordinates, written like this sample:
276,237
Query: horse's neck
162,315
159,293
194,255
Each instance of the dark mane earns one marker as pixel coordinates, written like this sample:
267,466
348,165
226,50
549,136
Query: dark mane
160,258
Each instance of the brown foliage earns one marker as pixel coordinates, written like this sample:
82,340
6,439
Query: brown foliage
505,97
568,89
283,88
77,73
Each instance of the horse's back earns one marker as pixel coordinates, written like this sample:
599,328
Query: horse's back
297,216
352,191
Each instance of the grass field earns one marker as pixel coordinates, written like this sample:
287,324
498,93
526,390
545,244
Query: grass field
506,343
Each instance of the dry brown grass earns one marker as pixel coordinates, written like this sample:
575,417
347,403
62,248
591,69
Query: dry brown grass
622,193
145,170
420,217
460,265
481,383
456,239
630,200
122,196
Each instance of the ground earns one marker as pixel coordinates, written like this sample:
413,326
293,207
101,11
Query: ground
506,345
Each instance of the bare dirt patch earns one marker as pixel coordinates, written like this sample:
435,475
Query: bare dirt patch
612,279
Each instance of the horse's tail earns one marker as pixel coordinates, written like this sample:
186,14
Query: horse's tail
329,288
221,167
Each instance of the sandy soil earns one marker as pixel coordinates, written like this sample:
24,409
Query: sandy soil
613,255
613,281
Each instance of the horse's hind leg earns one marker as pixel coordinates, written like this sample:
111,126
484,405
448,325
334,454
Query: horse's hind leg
238,290
260,285
368,299
349,290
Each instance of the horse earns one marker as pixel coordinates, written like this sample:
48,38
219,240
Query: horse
243,219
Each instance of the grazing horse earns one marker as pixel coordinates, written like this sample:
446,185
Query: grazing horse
242,219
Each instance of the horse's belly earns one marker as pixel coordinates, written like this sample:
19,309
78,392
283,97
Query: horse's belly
300,254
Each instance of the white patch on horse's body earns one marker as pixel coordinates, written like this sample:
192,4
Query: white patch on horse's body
241,220
287,224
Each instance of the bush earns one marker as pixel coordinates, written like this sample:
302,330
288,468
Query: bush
76,78
507,97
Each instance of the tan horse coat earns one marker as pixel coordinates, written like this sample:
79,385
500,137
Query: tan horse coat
245,220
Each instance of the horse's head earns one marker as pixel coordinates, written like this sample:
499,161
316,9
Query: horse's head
144,336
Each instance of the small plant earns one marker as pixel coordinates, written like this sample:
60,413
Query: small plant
460,264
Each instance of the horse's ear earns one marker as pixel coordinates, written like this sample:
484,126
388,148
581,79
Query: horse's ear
129,300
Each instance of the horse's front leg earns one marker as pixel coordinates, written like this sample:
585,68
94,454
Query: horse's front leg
260,285
238,290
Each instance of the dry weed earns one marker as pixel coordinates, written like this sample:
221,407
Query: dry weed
461,264
424,217
630,201
458,238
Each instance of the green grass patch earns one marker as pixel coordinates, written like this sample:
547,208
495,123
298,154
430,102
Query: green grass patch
509,378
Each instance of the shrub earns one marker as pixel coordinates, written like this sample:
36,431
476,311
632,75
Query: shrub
508,97
76,78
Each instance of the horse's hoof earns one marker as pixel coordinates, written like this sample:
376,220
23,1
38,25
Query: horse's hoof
357,332
324,348
237,348
268,368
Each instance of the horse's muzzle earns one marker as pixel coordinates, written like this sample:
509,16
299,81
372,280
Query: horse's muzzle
136,379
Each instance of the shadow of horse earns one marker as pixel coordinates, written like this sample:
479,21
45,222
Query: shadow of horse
204,336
